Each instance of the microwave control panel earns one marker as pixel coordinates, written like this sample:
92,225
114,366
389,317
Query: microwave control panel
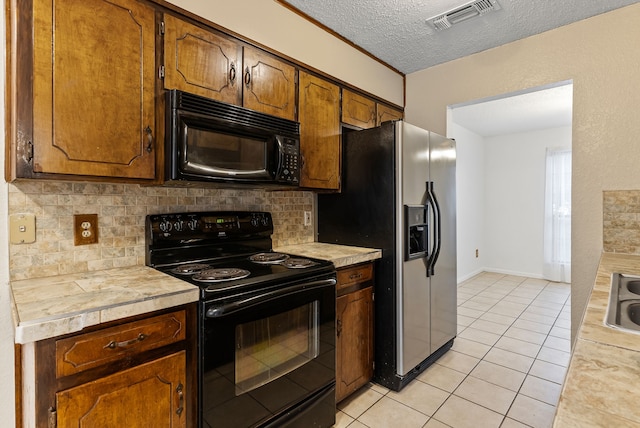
289,162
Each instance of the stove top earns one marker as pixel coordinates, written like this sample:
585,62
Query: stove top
224,253
231,274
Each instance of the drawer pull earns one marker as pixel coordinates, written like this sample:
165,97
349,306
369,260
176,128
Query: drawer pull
113,344
355,275
179,390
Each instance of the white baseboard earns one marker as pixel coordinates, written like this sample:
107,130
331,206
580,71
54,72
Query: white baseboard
463,278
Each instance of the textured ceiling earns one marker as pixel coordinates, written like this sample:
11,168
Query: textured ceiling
395,31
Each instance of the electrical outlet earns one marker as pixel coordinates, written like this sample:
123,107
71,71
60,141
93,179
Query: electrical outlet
307,218
85,229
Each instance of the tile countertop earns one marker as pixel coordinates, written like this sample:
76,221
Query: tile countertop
52,306
601,386
340,255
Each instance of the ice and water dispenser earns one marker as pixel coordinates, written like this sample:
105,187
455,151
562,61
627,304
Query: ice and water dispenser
416,235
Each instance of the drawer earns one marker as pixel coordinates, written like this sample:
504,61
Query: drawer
86,351
350,276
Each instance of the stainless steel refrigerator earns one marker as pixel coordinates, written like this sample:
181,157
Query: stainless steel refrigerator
398,194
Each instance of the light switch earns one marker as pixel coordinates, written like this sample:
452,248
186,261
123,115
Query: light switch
22,228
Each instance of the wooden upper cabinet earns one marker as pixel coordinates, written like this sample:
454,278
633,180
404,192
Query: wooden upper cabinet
205,63
319,132
93,88
358,110
201,62
386,113
269,84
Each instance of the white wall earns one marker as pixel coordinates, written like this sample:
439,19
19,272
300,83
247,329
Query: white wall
500,199
514,190
470,200
600,55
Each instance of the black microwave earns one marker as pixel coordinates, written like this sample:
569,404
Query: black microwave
208,140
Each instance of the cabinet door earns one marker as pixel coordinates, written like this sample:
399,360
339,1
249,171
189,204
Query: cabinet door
354,344
201,62
269,84
93,84
358,110
319,132
149,395
385,113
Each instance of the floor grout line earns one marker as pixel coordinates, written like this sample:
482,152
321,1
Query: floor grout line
533,292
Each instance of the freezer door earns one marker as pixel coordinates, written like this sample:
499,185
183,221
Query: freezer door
413,324
442,172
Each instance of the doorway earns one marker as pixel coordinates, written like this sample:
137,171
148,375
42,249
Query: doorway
501,148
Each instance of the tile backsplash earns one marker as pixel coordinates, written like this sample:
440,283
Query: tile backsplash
121,210
621,221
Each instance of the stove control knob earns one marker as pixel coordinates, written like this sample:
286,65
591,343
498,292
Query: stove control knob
165,226
265,221
178,225
254,221
192,224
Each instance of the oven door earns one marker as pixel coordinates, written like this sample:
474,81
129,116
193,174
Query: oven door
268,359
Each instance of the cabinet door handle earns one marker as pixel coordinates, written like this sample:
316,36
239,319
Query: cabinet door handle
338,327
232,73
113,344
52,419
247,76
149,138
180,391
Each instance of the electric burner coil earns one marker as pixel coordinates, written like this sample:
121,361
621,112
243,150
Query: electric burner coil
269,258
298,263
222,274
190,268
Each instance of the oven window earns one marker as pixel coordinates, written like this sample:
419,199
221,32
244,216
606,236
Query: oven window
225,151
274,346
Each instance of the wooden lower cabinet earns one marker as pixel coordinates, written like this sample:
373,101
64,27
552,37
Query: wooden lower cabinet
354,330
149,395
139,372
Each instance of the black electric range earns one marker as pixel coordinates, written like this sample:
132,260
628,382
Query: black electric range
266,335
224,252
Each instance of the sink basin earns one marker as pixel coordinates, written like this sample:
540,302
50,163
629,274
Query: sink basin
633,312
623,311
633,286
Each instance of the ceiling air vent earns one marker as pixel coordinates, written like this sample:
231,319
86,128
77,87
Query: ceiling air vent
462,13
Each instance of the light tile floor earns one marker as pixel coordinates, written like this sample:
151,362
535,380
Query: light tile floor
505,369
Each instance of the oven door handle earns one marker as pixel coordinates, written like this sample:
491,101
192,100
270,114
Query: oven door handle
229,308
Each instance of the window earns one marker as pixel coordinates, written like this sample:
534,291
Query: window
557,218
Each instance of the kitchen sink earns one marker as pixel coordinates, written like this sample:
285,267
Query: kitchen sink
623,311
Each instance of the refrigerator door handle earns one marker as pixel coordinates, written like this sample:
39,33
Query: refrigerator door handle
433,202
